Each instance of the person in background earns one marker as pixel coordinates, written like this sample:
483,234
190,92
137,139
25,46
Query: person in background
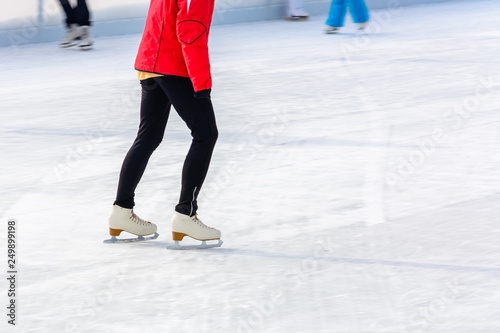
77,24
338,9
296,11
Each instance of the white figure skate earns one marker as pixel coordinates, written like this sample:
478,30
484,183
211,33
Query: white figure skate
362,26
296,11
72,36
124,219
86,41
330,30
301,17
185,225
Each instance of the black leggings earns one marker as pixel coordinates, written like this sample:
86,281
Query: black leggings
76,15
158,94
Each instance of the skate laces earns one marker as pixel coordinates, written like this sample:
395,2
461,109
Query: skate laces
198,221
138,220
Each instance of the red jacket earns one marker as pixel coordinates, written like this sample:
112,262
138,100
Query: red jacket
175,40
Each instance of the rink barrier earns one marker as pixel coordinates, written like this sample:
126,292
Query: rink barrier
40,29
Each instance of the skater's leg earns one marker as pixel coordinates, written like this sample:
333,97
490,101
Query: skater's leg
71,17
337,13
82,13
198,114
296,8
358,11
155,107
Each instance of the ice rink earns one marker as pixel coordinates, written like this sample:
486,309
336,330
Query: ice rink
356,182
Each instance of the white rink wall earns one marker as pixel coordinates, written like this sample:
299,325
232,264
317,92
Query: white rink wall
38,21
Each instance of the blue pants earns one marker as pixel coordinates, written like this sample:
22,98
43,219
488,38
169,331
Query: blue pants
338,9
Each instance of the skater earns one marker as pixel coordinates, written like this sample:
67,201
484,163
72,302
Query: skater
174,70
77,25
338,9
296,11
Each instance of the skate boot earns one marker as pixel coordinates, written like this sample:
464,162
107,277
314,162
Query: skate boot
362,25
328,29
185,225
72,36
124,219
298,16
86,41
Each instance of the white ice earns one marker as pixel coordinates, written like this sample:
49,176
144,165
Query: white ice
356,182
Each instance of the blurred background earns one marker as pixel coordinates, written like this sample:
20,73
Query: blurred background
39,21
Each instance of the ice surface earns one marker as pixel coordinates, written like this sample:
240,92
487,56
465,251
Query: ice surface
356,182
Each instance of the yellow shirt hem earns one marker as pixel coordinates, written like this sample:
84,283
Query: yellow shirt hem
146,75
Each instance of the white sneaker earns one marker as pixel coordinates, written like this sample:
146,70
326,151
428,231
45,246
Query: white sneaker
72,36
86,41
124,219
185,225
330,30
